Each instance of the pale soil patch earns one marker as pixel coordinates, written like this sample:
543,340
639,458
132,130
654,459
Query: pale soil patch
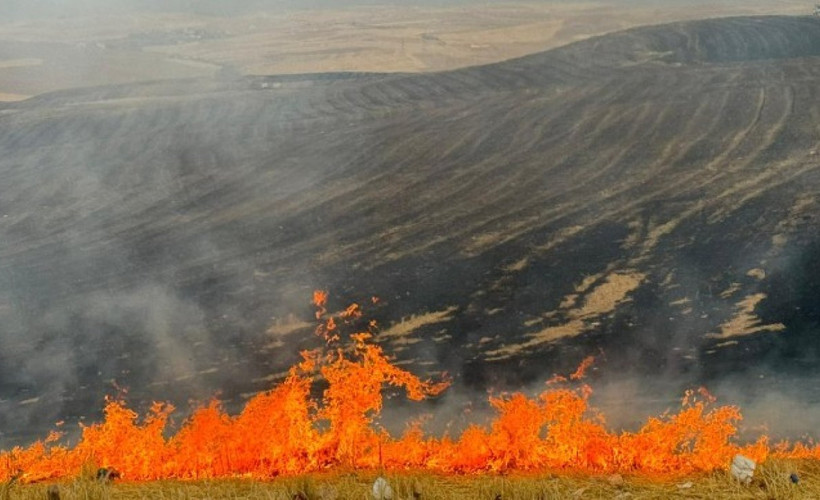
491,239
381,39
66,67
733,288
560,237
287,326
20,63
8,97
569,301
485,240
194,64
801,210
635,234
659,230
779,240
606,297
587,282
399,332
745,321
601,300
281,328
518,265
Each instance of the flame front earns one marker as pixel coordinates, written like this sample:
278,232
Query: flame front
285,431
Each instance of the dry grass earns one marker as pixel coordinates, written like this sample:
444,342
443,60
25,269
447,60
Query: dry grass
772,481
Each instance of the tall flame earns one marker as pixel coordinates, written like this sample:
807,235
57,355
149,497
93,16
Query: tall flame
286,431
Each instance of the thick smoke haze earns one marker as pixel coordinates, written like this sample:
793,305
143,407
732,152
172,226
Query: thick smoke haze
179,178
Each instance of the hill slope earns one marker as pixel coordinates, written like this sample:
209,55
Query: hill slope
651,193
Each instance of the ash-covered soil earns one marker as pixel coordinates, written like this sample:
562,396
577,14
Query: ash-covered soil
650,196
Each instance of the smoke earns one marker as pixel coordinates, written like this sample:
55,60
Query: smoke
82,349
98,292
155,231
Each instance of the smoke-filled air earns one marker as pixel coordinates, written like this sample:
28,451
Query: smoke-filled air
582,237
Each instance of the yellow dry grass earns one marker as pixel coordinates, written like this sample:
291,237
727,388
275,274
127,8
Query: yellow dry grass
771,481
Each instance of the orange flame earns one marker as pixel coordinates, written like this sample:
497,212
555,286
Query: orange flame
285,431
581,371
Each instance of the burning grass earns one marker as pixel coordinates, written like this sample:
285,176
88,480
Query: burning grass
286,433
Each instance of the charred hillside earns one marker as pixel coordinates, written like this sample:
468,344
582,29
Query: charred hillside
652,194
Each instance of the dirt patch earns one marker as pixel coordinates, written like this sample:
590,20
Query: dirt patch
606,297
745,321
399,333
20,63
149,45
600,301
8,97
282,328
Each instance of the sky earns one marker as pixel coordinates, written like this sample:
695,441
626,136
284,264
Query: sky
29,8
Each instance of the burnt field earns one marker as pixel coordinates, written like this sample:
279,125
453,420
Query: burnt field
651,195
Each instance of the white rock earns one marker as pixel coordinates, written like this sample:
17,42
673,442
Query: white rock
743,468
382,489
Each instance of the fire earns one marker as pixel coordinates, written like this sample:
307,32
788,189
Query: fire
286,431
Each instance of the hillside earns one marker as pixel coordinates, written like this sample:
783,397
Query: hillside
650,194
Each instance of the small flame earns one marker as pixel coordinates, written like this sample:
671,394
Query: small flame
581,371
286,431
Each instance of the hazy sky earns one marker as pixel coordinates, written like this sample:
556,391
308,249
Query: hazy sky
25,8
34,8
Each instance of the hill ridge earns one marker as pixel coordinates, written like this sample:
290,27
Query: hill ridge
168,236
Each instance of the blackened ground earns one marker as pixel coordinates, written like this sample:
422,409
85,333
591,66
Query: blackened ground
166,237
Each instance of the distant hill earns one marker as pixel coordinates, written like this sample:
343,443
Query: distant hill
652,195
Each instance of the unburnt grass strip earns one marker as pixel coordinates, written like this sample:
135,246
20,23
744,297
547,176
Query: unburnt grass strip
775,479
